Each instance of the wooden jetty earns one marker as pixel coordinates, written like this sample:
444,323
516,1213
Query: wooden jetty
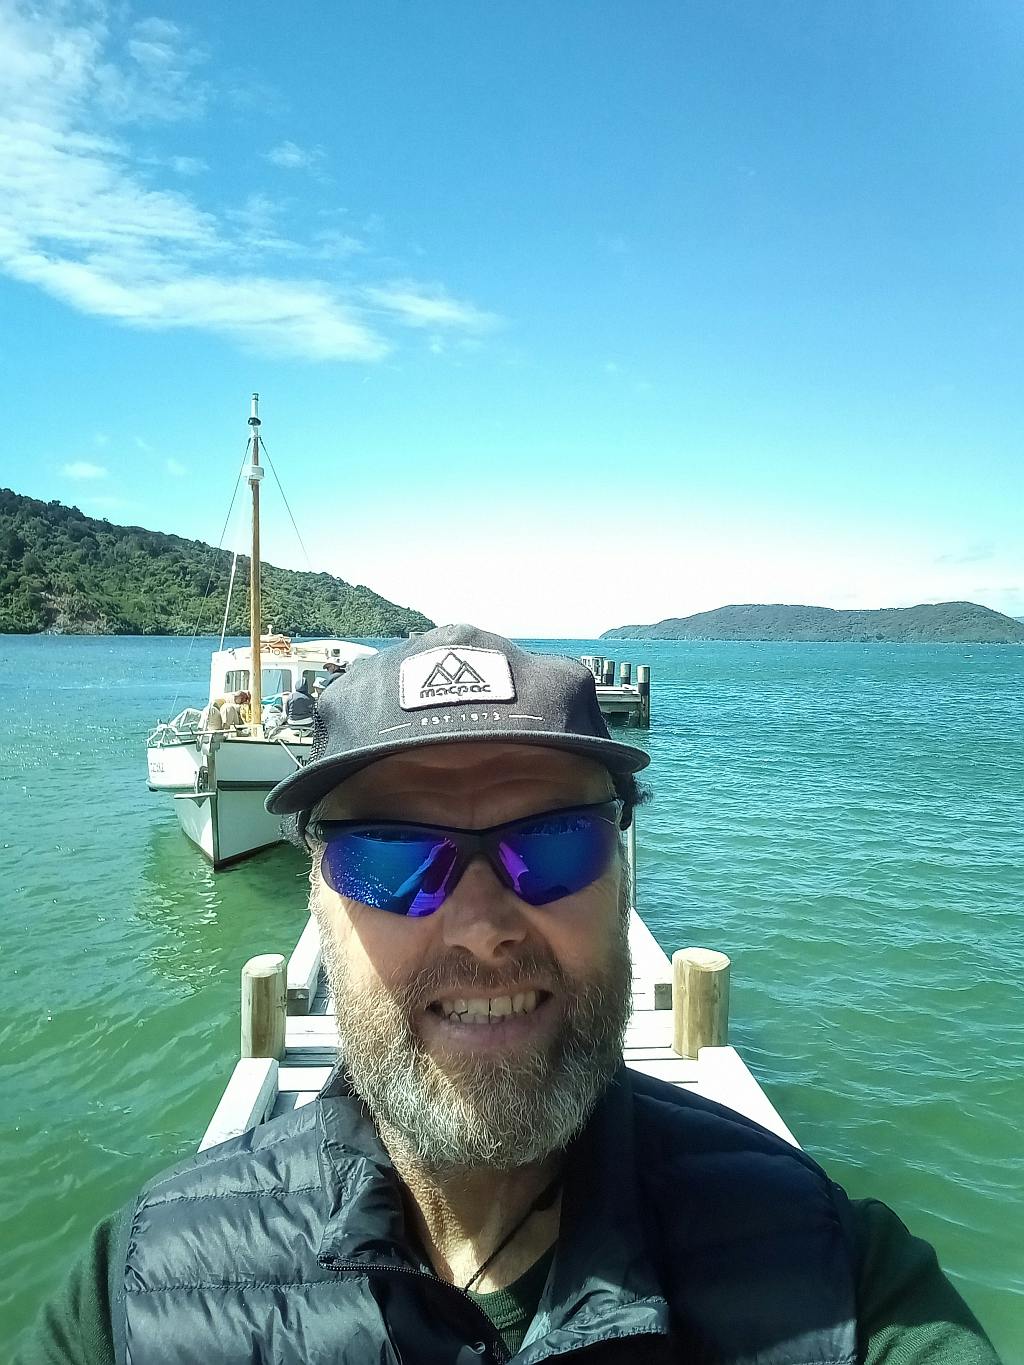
623,702
678,1032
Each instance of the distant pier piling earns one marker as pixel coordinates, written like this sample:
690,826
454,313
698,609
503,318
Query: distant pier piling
643,687
622,702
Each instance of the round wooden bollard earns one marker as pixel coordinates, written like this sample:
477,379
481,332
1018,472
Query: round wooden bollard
608,673
264,992
625,673
643,686
700,1000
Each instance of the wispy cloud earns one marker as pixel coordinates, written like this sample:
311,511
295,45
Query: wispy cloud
424,306
291,157
188,165
82,469
176,468
81,219
332,244
156,76
256,226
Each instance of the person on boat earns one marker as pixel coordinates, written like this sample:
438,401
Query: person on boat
298,706
482,1179
334,671
212,715
231,714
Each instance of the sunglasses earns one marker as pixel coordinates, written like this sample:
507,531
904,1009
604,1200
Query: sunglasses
411,869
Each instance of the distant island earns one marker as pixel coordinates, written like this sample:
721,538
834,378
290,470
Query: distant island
64,572
934,623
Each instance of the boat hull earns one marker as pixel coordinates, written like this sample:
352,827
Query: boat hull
219,784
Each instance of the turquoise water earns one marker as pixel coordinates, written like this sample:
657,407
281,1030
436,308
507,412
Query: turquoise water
844,820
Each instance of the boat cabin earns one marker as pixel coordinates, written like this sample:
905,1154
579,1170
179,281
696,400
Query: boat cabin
283,664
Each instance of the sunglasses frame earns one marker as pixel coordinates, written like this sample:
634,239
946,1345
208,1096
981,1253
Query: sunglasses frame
469,843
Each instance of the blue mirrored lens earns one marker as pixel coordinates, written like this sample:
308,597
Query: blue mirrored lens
557,855
389,870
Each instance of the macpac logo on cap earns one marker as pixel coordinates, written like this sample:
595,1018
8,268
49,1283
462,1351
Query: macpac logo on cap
440,677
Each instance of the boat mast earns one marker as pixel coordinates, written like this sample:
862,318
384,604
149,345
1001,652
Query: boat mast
254,474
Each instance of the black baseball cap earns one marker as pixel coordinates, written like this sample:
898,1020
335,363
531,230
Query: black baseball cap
449,685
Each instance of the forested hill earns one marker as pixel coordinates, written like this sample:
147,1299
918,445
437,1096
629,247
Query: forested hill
63,571
936,623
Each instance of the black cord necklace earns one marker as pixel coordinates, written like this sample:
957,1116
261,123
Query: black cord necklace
544,1200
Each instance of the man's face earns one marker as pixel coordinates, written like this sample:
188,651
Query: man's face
460,1086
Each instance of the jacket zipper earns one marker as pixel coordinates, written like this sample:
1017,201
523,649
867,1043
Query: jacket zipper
499,1350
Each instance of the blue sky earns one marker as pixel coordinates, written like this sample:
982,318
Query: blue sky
562,315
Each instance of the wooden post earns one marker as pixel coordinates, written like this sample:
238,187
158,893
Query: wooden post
700,1000
625,674
643,686
608,673
264,991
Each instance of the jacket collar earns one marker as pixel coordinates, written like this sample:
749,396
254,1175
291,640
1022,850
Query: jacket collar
601,1282
366,1217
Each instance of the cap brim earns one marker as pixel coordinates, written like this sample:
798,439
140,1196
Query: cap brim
302,789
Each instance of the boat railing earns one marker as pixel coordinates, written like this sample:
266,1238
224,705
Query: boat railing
185,725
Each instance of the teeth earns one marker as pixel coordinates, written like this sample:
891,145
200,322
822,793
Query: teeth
483,1009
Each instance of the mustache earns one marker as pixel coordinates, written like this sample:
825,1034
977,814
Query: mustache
460,974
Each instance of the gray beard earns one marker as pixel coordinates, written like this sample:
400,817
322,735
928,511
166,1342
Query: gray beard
481,1112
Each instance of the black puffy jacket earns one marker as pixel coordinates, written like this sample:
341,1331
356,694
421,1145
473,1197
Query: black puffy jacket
688,1234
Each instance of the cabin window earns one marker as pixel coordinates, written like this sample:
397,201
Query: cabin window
312,675
237,680
275,681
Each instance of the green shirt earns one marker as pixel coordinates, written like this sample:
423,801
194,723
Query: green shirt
511,1309
908,1312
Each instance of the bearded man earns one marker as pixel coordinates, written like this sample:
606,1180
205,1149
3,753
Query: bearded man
482,1179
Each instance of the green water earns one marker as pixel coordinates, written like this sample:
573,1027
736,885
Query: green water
844,820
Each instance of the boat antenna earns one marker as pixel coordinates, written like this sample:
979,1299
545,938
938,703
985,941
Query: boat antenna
254,474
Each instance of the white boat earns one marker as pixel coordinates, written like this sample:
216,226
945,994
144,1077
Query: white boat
219,777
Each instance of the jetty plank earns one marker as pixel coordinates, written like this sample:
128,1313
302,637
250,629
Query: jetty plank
726,1080
304,970
251,1091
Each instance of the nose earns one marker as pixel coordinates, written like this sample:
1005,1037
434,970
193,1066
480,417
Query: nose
483,916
